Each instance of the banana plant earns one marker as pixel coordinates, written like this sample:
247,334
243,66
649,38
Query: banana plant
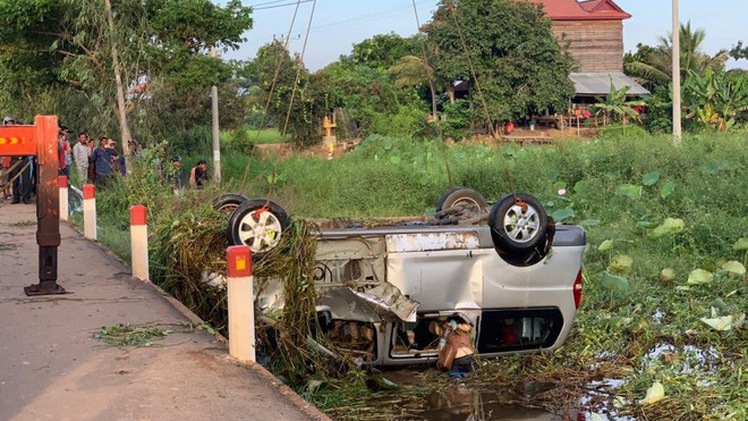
616,106
718,99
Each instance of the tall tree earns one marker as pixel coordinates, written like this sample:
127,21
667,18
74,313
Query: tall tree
739,51
507,52
283,77
415,71
384,50
104,48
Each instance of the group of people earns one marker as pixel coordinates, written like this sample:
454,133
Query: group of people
177,177
93,164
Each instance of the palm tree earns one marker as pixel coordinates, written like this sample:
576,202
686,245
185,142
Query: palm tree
653,66
413,71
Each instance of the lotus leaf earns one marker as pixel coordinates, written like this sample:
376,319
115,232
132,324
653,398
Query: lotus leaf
734,267
700,277
613,282
668,227
621,264
741,244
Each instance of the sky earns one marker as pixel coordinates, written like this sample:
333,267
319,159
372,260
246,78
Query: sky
338,24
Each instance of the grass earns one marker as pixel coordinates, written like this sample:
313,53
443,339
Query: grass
623,189
261,137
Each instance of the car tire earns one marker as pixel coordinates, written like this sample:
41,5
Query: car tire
229,202
258,224
461,196
518,226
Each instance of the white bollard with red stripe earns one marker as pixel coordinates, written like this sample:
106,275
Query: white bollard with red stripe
62,183
89,211
241,304
139,242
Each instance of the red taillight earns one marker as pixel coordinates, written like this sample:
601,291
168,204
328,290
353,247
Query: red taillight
578,290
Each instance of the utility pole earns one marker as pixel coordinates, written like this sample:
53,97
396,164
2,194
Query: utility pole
216,130
676,77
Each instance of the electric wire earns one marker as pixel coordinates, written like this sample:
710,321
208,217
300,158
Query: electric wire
255,8
298,70
369,17
279,65
439,130
486,111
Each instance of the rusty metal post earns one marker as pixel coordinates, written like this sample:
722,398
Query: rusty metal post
47,207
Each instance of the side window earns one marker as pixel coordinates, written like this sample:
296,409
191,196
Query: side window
517,330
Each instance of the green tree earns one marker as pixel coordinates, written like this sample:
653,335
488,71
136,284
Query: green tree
739,51
517,64
283,78
102,48
416,71
367,94
383,51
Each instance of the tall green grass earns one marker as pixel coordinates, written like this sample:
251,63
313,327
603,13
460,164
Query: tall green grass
620,187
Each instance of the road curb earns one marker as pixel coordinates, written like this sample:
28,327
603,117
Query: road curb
307,408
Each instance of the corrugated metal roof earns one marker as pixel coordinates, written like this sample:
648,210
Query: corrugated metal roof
596,84
587,10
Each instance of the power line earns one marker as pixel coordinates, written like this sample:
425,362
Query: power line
270,5
369,17
267,3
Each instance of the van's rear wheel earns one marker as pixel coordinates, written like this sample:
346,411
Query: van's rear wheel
518,225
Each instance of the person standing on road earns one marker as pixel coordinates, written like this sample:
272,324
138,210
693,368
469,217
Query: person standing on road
63,149
102,159
81,155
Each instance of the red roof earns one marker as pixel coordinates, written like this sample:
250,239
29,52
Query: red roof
586,10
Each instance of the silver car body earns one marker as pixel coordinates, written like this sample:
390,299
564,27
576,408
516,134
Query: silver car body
389,290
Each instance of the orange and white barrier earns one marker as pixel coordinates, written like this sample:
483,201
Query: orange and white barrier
139,242
241,304
62,183
89,211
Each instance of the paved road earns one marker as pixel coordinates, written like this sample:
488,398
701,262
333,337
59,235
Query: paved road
51,368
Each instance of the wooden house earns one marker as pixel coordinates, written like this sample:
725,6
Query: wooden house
592,30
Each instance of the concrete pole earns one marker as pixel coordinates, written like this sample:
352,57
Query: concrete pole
677,134
139,242
62,183
89,212
216,130
241,304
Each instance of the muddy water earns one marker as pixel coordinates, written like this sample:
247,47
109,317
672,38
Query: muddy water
464,402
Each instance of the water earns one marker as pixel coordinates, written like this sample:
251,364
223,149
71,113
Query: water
463,401
460,403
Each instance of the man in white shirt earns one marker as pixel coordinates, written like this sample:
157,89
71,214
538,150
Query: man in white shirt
81,153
